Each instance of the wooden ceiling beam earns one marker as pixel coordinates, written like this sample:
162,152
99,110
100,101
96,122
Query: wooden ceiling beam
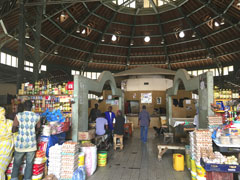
130,42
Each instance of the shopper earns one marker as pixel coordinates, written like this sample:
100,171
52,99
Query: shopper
119,124
144,121
110,117
20,108
94,113
6,143
101,125
26,140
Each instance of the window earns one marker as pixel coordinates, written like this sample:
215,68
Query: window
28,66
230,68
200,72
9,60
205,70
89,75
225,71
94,75
98,74
3,58
43,68
213,70
14,61
194,73
75,72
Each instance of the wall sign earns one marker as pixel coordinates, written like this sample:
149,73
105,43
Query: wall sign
146,98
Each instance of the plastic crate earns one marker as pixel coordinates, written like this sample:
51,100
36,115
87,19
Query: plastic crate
219,176
228,168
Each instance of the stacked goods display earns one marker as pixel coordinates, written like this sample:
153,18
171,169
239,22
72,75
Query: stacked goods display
55,159
69,161
90,151
46,88
202,144
38,166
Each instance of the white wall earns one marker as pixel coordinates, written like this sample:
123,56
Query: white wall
155,83
8,89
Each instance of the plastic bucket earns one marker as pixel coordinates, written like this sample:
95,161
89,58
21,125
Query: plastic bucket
81,159
178,162
102,158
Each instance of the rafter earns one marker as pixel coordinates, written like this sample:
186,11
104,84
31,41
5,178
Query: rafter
131,39
153,6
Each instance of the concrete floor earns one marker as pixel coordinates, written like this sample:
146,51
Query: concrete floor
138,161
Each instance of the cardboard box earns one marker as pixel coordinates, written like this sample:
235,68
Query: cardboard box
87,135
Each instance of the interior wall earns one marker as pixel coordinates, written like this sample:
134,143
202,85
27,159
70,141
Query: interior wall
7,88
150,83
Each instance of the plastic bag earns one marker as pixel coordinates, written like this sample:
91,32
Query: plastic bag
79,174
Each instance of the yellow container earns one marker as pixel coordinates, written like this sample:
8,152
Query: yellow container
188,160
200,171
81,159
193,166
20,177
102,158
178,162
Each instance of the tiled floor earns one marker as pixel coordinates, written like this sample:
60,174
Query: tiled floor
138,161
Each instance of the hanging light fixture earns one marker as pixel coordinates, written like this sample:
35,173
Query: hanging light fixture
162,42
147,39
78,30
194,34
63,14
132,43
181,34
216,24
114,37
222,22
103,39
238,3
56,51
83,31
27,35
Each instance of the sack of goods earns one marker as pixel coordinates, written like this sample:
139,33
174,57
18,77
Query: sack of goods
69,159
90,151
55,156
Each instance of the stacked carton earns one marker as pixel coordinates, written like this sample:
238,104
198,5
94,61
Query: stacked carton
69,159
203,144
55,158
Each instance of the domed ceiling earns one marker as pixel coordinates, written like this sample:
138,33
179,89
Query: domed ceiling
121,34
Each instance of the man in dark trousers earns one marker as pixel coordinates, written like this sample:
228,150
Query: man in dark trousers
144,121
26,143
110,117
95,112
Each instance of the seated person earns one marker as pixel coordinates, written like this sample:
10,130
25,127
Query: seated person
119,124
101,125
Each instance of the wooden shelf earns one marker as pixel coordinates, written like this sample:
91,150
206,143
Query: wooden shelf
47,95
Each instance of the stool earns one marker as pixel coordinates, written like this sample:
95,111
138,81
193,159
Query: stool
116,145
167,137
163,148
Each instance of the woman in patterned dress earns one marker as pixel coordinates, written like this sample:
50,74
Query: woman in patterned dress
6,143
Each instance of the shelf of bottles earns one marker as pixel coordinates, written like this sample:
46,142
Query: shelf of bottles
45,95
226,94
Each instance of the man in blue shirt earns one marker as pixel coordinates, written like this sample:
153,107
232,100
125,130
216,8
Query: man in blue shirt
144,121
110,116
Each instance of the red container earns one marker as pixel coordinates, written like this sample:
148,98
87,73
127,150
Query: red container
219,176
70,85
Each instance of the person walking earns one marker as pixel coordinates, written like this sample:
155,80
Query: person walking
26,140
144,122
6,143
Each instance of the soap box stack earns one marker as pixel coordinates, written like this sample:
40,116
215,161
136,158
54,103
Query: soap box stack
203,144
55,159
70,154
